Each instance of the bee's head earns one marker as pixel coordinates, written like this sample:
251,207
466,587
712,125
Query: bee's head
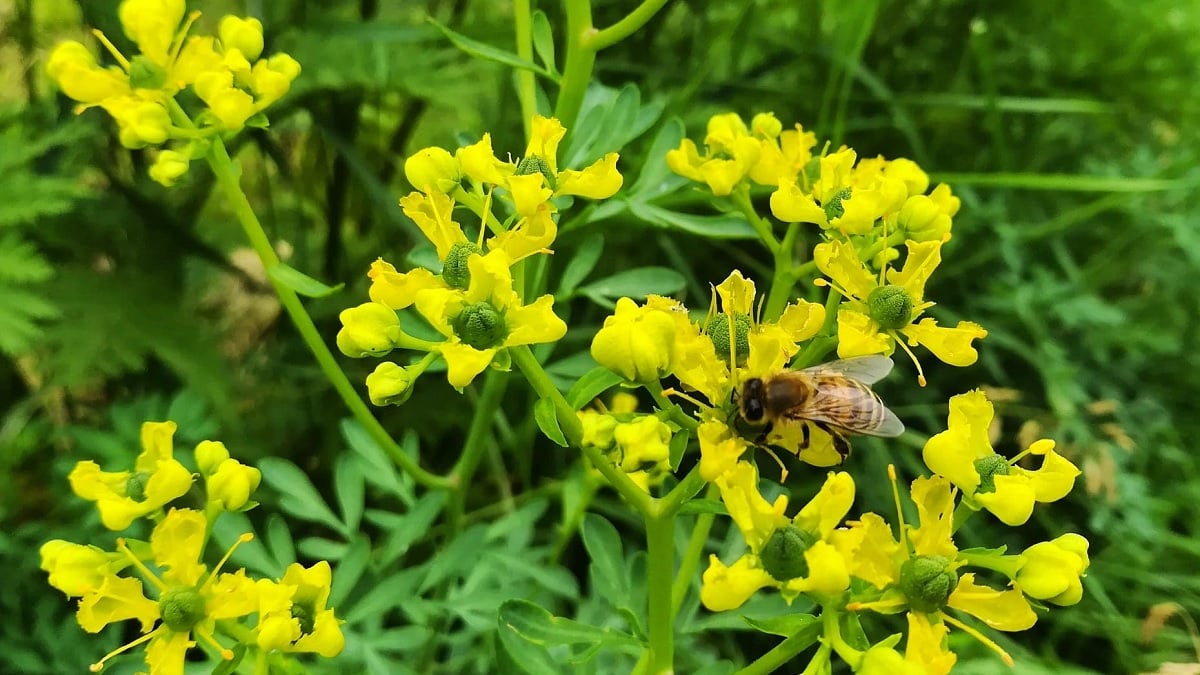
751,402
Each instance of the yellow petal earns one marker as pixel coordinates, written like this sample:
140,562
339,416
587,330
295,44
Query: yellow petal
697,367
923,258
791,205
78,570
769,353
720,449
802,320
637,343
951,345
870,549
532,234
544,137
166,652
432,213
828,575
832,502
479,162
737,294
326,638
117,599
92,484
935,513
601,180
491,280
858,335
437,305
754,515
724,588
398,290
927,645
464,362
952,453
170,480
1006,610
722,175
177,542
1012,502
839,261
685,160
1054,480
529,192
534,323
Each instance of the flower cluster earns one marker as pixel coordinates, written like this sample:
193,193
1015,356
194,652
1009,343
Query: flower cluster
637,444
472,301
226,72
164,583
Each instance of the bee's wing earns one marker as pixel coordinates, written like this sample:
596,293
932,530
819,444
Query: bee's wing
845,406
866,369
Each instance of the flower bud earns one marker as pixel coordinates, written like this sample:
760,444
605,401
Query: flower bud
766,125
913,176
717,330
244,35
1052,570
272,78
480,325
433,170
644,443
598,428
389,384
455,270
371,329
209,455
783,554
927,582
232,484
168,166
922,220
890,306
181,609
142,122
637,343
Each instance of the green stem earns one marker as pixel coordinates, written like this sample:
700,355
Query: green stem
691,555
685,490
573,520
572,428
741,197
819,346
577,71
668,406
625,27
784,278
779,655
227,177
478,435
660,573
526,93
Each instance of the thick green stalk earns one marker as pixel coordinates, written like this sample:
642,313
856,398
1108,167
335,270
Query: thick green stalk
784,278
660,575
625,27
692,554
478,433
577,71
572,429
781,654
526,92
689,486
227,177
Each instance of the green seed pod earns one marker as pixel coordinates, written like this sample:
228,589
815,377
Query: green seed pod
988,468
927,582
480,325
135,485
717,330
890,306
834,208
146,74
783,554
181,609
455,270
535,164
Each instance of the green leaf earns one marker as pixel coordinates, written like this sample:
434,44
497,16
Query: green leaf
407,528
591,385
350,569
490,53
297,494
517,655
380,470
636,283
539,626
279,541
656,177
349,489
679,443
786,625
543,40
724,226
302,283
581,264
547,420
603,545
852,631
696,506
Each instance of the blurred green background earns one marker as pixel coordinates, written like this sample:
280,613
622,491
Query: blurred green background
1067,128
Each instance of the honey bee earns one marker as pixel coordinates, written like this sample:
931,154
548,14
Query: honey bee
836,397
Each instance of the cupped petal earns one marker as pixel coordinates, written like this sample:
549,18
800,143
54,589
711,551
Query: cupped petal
398,290
1006,610
859,335
927,645
232,595
828,574
792,205
326,638
166,652
534,323
870,549
92,484
839,261
720,449
724,588
156,444
545,134
1011,502
935,513
479,162
950,345
1054,479
177,542
923,258
751,512
464,362
491,280
170,480
829,507
528,192
601,180
532,234
433,215
117,599
736,293
722,175
685,160
802,320
438,305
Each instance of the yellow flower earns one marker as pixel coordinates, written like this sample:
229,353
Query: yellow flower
964,455
791,555
231,485
486,318
389,384
293,616
371,329
433,170
210,455
398,290
189,601
644,444
78,570
1051,570
877,314
168,166
848,198
720,449
536,177
928,218
730,153
783,157
244,35
123,496
636,342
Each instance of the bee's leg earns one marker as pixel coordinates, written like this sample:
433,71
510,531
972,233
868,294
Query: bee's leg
762,438
840,443
805,434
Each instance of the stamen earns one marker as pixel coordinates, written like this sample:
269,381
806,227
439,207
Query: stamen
211,641
987,642
883,268
671,391
483,217
899,510
99,665
141,567
920,371
881,606
783,472
112,49
823,282
181,36
245,537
